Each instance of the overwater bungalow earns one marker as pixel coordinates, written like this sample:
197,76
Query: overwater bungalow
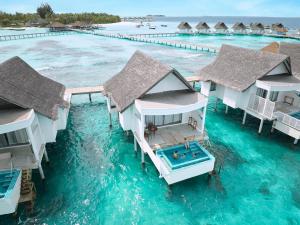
80,25
202,28
56,27
279,29
239,28
221,28
164,113
184,28
261,83
32,109
257,28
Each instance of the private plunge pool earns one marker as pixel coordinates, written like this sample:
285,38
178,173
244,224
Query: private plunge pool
179,157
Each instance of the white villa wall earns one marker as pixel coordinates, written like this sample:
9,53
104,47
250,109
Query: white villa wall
61,122
231,97
126,118
169,83
205,88
48,127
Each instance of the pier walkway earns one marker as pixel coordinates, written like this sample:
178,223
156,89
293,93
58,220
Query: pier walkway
85,90
33,35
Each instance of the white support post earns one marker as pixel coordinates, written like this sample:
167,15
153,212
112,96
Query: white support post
46,156
272,129
143,156
216,105
244,118
295,141
135,144
203,120
260,125
41,172
226,109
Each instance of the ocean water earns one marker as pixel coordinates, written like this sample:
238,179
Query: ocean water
94,176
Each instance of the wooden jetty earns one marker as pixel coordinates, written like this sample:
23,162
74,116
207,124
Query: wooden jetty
33,35
85,91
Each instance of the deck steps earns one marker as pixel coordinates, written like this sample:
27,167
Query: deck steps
28,191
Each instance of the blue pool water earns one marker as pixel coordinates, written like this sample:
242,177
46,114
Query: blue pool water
195,154
8,179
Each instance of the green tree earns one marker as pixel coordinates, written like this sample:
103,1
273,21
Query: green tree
44,10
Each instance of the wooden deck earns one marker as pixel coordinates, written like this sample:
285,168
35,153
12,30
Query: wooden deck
84,90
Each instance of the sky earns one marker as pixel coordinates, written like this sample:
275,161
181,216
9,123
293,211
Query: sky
270,8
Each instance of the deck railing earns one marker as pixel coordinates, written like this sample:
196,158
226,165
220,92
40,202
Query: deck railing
261,106
288,120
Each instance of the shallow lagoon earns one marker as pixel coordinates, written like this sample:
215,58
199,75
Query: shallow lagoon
95,178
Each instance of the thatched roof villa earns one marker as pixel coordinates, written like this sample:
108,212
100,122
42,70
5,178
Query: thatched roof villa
279,28
202,27
56,26
242,78
221,28
157,104
184,27
239,28
257,28
32,109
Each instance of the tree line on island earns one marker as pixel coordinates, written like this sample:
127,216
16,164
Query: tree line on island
45,15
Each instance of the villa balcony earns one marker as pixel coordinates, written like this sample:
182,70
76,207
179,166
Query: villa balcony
174,135
19,156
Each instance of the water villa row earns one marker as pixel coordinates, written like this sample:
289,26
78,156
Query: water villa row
56,26
237,28
159,106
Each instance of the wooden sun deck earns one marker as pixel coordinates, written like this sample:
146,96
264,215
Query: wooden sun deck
174,135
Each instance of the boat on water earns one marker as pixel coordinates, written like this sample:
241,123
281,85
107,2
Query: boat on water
152,27
10,185
164,25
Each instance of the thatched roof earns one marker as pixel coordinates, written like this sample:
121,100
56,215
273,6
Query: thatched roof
239,26
79,24
184,26
277,25
140,74
202,26
293,51
221,25
57,25
257,26
22,86
239,68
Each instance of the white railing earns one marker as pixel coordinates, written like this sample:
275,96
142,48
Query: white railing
261,106
288,120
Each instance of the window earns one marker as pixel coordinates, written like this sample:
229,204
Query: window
13,138
273,96
261,92
213,86
163,120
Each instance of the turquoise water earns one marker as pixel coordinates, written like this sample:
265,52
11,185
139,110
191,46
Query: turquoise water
247,41
94,177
